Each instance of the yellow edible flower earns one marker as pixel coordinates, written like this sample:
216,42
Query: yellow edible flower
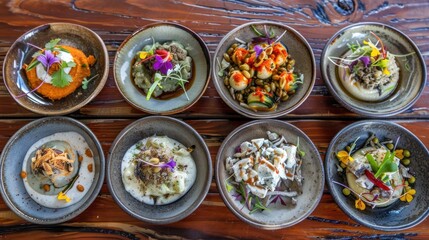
344,157
144,55
359,204
399,153
408,196
63,196
375,52
386,71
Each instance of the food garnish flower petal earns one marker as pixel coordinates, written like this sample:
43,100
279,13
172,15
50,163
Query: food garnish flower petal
47,59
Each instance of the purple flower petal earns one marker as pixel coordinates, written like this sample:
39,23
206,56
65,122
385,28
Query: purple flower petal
48,59
351,65
258,50
365,60
158,63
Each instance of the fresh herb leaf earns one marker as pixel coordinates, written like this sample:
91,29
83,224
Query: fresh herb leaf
372,162
258,206
86,81
32,65
229,187
71,64
157,79
272,33
36,54
51,44
300,152
60,78
388,165
256,31
61,49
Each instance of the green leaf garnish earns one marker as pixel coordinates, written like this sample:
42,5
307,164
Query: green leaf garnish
51,44
256,31
32,65
36,54
258,206
60,78
229,187
388,165
372,162
61,49
157,80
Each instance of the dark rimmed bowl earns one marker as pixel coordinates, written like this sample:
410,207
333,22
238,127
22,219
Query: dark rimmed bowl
312,170
73,35
399,215
298,48
411,83
12,187
179,131
162,32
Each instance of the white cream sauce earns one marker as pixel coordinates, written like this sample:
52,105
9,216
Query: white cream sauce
86,178
183,176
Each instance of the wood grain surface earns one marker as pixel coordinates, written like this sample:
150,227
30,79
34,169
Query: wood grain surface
320,117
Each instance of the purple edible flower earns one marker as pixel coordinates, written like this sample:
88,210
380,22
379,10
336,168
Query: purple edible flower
257,40
365,60
171,164
163,61
258,50
47,59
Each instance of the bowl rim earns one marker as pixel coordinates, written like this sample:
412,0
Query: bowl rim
96,91
203,46
84,205
336,196
223,194
347,105
273,114
192,206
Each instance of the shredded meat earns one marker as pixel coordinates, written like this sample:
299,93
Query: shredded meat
50,161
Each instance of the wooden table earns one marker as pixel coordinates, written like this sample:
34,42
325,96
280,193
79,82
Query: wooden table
320,117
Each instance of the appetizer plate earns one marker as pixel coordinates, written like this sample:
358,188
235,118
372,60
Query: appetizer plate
70,34
179,131
399,215
278,216
412,71
12,187
297,47
162,32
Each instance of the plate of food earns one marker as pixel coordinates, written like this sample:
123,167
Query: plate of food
264,69
159,170
375,171
373,69
56,68
51,170
162,68
269,174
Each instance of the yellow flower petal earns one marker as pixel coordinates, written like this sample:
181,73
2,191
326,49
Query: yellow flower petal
399,153
62,196
344,157
386,71
143,55
403,197
359,204
412,191
409,197
342,154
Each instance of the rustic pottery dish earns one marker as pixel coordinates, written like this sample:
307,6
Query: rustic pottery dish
278,216
412,69
296,46
70,34
12,187
399,215
162,32
179,131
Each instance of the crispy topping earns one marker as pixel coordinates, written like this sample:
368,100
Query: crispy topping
49,161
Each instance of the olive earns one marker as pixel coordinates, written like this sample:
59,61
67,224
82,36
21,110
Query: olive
390,146
285,97
346,191
244,66
412,180
230,51
259,82
267,88
407,153
375,140
234,46
226,57
273,86
226,81
406,161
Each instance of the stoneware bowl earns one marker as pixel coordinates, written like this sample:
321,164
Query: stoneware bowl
73,35
162,32
399,215
278,216
297,47
12,187
411,81
179,131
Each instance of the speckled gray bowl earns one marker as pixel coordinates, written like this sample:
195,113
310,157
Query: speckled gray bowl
73,35
411,83
399,215
162,32
179,131
12,187
297,47
278,216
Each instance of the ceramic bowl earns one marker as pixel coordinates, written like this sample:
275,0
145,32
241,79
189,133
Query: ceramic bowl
73,35
297,47
278,216
12,187
162,32
179,131
399,215
411,82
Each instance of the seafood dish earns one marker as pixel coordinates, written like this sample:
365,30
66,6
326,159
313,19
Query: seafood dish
261,73
57,71
158,170
265,171
58,170
160,69
376,173
368,71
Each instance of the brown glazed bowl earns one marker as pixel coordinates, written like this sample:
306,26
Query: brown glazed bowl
72,35
297,47
162,32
